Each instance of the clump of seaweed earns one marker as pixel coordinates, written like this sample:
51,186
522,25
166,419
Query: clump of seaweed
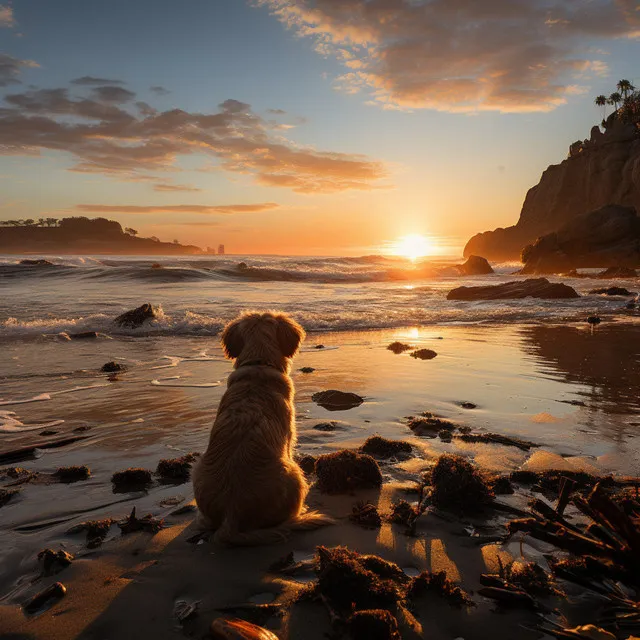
96,530
530,577
399,347
131,479
366,515
445,436
384,448
54,561
423,354
307,463
347,584
457,485
6,495
403,513
501,486
345,471
18,475
113,367
439,584
73,474
429,425
176,469
373,624
132,523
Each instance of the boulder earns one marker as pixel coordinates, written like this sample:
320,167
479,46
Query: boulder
612,291
36,263
618,272
531,288
137,317
608,236
475,266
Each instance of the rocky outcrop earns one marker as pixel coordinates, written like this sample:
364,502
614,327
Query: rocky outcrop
532,288
137,317
602,238
475,266
600,171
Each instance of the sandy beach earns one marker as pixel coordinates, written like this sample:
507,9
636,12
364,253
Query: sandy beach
570,391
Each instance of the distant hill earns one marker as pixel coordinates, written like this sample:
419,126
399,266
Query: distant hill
82,235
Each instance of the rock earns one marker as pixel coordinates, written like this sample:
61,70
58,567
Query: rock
334,400
137,317
383,448
607,236
458,486
73,474
113,367
605,172
467,405
45,598
36,263
132,479
54,561
307,370
594,320
618,272
423,354
531,288
331,425
84,335
346,471
612,291
475,266
429,425
373,624
399,347
176,468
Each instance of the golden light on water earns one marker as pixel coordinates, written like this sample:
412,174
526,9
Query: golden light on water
414,246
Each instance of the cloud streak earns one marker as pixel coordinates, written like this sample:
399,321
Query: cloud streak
10,69
106,131
6,16
461,55
223,209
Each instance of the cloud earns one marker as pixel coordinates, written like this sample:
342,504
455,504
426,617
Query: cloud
159,91
10,69
461,55
108,133
131,209
88,81
162,186
6,16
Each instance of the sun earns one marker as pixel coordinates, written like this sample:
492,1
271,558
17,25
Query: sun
413,246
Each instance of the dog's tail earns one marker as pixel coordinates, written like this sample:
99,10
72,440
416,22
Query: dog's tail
228,534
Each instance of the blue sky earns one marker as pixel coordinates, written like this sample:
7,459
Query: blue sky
396,122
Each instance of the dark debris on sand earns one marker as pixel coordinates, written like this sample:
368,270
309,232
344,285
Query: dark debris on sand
176,469
45,598
429,425
403,513
307,463
366,515
132,523
439,584
423,354
497,438
373,624
457,485
19,476
131,479
96,530
384,448
54,561
6,495
345,471
73,474
399,347
113,367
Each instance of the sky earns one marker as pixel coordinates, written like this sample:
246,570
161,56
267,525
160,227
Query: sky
326,127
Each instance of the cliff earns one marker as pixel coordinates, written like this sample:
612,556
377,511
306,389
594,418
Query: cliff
84,236
600,171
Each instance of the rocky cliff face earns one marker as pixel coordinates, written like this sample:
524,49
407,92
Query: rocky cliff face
600,171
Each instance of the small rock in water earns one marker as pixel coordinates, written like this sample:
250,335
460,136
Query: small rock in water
403,513
334,400
467,405
429,425
307,370
331,425
383,448
593,320
346,471
36,263
236,629
613,291
54,561
113,367
423,354
319,346
45,598
137,317
73,474
84,335
131,479
399,347
618,272
82,428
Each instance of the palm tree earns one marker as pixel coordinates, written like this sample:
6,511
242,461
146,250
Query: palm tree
625,87
615,99
601,101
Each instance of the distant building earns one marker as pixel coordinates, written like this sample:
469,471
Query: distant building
220,249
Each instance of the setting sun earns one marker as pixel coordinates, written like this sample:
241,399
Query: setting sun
414,246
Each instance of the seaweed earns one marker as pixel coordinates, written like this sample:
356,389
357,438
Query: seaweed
399,347
439,584
345,471
402,513
96,530
373,624
131,479
6,495
496,438
501,486
428,424
383,448
366,515
307,463
132,523
113,367
423,354
176,468
72,474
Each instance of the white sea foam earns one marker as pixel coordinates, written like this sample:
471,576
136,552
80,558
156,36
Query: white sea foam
10,423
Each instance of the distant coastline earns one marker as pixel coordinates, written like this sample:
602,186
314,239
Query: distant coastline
81,236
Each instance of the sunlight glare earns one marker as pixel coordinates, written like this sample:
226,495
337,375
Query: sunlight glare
414,246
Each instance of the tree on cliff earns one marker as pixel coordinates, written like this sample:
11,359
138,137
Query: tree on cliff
131,232
625,87
601,101
615,99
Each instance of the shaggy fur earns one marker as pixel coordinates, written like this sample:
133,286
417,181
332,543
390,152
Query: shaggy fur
247,485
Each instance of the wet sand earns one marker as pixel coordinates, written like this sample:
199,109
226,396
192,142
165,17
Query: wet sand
570,390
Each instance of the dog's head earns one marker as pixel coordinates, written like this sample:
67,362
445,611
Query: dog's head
271,336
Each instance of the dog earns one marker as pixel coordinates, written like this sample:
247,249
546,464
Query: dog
247,484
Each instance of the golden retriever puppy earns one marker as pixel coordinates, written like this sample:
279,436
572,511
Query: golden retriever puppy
247,485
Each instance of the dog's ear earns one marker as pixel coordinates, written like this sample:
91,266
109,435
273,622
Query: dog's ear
290,334
232,339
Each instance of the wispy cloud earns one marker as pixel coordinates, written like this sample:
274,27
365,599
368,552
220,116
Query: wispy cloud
461,55
108,132
224,209
10,69
173,187
89,81
7,19
159,91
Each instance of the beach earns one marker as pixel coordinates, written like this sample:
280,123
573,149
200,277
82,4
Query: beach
532,370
